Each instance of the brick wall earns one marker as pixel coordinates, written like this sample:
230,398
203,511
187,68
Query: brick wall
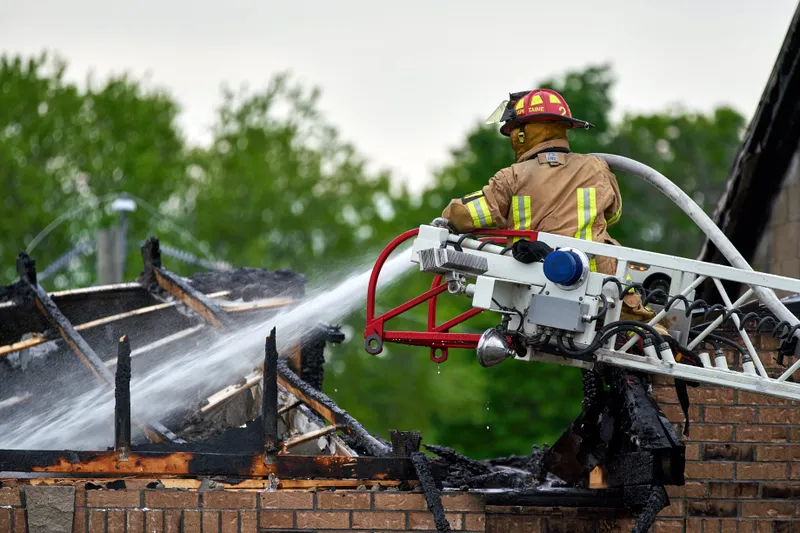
779,248
742,459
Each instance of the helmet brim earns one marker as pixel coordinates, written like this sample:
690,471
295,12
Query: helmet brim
572,123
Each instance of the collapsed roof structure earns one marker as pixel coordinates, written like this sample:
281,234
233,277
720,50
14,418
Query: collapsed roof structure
271,425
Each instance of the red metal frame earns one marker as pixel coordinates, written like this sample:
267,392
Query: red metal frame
437,338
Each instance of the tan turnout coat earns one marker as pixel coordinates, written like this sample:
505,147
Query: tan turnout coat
568,194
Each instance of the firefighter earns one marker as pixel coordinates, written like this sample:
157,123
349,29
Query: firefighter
549,188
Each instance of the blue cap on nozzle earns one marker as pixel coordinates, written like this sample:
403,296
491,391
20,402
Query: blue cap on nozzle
563,267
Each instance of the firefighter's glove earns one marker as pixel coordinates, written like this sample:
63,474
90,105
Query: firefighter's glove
526,251
441,222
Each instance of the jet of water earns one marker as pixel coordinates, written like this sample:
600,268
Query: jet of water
86,421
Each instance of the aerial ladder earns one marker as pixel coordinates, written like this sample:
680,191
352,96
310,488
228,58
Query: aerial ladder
559,311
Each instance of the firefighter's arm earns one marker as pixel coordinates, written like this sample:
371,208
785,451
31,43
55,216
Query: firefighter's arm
614,211
482,209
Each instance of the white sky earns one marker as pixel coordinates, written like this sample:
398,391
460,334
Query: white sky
405,80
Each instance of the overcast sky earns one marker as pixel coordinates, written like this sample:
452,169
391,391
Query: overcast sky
405,80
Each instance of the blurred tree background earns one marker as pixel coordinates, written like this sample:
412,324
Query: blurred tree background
278,188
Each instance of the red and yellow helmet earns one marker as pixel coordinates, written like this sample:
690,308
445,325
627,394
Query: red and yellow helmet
538,105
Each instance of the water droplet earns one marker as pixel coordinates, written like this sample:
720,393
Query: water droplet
335,390
438,369
487,428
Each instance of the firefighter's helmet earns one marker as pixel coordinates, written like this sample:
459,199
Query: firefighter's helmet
538,105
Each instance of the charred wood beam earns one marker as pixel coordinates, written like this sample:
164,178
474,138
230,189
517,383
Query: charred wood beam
144,464
269,399
156,275
26,268
432,496
559,497
122,394
311,435
327,409
647,448
657,500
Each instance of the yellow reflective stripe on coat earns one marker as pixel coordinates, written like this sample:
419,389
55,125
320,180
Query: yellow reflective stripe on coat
479,211
587,213
521,213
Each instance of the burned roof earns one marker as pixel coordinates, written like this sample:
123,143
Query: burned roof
765,155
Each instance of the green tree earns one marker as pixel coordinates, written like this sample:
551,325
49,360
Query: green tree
65,150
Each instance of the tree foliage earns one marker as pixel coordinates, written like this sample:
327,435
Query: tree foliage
278,188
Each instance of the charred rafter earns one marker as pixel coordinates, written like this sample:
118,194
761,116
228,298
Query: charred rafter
155,275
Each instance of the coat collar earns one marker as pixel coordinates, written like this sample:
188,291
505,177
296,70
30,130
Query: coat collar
555,143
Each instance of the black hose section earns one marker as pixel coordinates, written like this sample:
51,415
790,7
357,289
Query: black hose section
432,495
482,245
720,339
506,250
655,503
606,332
603,309
511,310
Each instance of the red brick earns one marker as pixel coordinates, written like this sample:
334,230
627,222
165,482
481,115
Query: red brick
78,522
711,395
323,520
230,521
136,521
665,395
526,524
116,521
287,500
711,433
736,415
191,521
475,522
20,522
732,490
113,498
343,500
10,497
669,526
763,526
154,521
462,502
172,521
712,508
379,520
277,519
703,470
402,502
785,452
751,398
694,525
674,509
761,471
728,526
224,499
796,435
424,520
780,491
779,415
692,452
767,508
795,473
728,452
747,526
675,414
80,495
170,499
97,521
210,521
691,489
249,521
761,434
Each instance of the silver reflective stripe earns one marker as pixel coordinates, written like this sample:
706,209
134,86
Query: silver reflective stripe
587,214
521,212
481,214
